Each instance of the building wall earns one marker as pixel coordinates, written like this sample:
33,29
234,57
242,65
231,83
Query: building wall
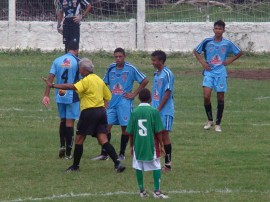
95,36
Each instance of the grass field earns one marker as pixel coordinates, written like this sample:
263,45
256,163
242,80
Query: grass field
230,166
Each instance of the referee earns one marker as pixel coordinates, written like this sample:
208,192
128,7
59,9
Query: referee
70,11
93,93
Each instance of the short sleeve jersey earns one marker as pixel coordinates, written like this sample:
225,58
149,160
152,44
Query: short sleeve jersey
215,54
72,8
121,81
163,81
92,92
144,123
65,69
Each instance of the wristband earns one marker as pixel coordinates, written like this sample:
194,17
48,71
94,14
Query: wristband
53,85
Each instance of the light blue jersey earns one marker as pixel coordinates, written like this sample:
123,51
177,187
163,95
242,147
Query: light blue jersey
121,81
215,55
65,69
163,81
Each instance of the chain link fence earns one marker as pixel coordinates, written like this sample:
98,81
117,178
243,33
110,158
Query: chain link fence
156,10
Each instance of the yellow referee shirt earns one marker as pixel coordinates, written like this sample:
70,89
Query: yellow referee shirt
92,92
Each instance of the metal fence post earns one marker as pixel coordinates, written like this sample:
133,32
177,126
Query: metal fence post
207,11
12,23
140,24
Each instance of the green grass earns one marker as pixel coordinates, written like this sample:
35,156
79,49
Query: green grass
230,166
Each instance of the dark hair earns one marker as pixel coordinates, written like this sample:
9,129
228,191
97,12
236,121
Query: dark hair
220,23
72,45
145,95
120,50
161,55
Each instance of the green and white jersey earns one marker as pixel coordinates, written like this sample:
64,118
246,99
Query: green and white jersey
144,123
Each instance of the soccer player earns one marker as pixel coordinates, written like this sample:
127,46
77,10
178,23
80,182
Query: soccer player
216,50
162,100
120,77
93,93
70,11
65,69
145,128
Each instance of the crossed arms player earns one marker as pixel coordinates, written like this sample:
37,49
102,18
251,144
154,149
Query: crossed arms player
216,50
120,77
70,12
92,92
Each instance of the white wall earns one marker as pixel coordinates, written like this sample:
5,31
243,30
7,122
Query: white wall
107,36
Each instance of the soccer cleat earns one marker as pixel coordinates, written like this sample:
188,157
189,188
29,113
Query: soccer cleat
143,194
62,152
72,169
120,168
208,125
121,157
100,157
166,169
159,194
217,128
68,157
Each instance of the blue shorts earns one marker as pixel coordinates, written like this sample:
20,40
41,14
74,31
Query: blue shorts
167,122
69,111
219,84
119,115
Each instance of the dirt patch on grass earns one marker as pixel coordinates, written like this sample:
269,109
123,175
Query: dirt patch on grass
259,74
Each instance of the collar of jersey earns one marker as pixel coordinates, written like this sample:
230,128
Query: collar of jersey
144,104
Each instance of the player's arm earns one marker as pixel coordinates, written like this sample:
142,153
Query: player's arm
131,95
201,60
87,10
66,86
164,99
46,98
131,143
232,59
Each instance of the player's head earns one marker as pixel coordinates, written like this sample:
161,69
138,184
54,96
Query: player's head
158,58
85,66
219,28
73,47
119,56
145,95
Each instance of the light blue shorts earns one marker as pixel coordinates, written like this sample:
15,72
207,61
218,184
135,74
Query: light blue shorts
167,122
219,84
69,111
119,115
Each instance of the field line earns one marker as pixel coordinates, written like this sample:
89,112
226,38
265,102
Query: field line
72,195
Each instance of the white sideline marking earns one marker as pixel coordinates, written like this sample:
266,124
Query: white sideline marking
71,195
262,98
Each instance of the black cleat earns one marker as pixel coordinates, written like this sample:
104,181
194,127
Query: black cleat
72,169
62,152
120,168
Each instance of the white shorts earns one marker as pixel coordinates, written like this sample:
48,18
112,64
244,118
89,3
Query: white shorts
147,165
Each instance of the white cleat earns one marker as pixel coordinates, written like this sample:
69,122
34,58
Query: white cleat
208,125
143,194
217,128
159,194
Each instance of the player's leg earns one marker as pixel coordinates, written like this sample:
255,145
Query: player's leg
207,91
167,122
139,177
123,114
78,152
221,88
72,113
65,36
103,141
112,120
62,129
75,34
62,134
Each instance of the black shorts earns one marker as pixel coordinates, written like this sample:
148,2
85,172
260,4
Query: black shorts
71,32
93,121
